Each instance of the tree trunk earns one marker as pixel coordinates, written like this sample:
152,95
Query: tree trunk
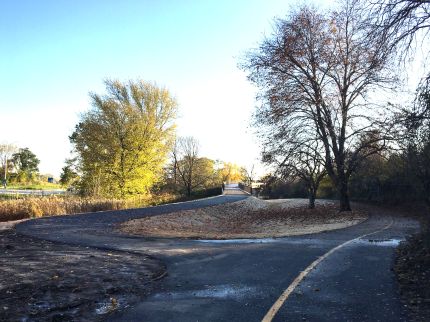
311,199
343,197
426,225
5,174
122,188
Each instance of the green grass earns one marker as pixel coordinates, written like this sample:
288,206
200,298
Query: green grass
35,186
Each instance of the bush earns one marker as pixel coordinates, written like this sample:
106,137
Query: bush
210,192
327,190
278,189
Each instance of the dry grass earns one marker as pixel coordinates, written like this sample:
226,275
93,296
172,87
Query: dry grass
34,207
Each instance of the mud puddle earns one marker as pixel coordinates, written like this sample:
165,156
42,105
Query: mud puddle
384,242
218,291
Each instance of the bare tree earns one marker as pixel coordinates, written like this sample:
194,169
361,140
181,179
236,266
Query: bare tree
6,152
400,21
416,142
405,23
185,155
248,175
314,75
304,161
193,172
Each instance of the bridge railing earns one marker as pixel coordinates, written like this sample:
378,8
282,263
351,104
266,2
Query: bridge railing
32,193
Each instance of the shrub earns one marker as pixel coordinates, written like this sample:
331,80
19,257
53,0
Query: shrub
210,192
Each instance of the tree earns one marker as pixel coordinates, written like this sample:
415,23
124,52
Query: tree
400,21
206,170
276,187
304,161
192,171
248,175
123,141
25,160
230,172
185,156
26,163
314,75
406,23
417,145
6,152
69,174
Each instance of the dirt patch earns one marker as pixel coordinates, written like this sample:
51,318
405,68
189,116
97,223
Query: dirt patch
412,267
249,218
45,281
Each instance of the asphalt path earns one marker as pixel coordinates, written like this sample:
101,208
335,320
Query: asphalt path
240,280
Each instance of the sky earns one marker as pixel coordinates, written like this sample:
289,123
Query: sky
53,53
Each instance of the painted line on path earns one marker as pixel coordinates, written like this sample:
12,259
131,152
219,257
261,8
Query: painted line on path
284,296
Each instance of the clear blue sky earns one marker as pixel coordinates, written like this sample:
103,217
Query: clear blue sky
52,53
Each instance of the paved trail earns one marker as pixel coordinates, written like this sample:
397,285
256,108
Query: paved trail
240,280
233,189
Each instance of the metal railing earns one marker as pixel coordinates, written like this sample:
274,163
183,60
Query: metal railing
33,192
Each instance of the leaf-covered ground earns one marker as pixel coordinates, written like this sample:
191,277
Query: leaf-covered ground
44,281
250,218
412,266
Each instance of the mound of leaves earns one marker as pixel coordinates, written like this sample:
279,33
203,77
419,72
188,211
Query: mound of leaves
320,214
251,218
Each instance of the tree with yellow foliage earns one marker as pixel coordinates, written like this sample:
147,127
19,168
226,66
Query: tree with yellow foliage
123,141
231,172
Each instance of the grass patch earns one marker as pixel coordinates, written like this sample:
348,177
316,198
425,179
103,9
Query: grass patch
36,186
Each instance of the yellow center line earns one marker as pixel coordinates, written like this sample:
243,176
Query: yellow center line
284,296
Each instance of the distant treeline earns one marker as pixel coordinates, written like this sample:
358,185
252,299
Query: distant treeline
389,179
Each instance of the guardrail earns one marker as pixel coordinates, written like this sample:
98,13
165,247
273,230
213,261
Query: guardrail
31,192
252,191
